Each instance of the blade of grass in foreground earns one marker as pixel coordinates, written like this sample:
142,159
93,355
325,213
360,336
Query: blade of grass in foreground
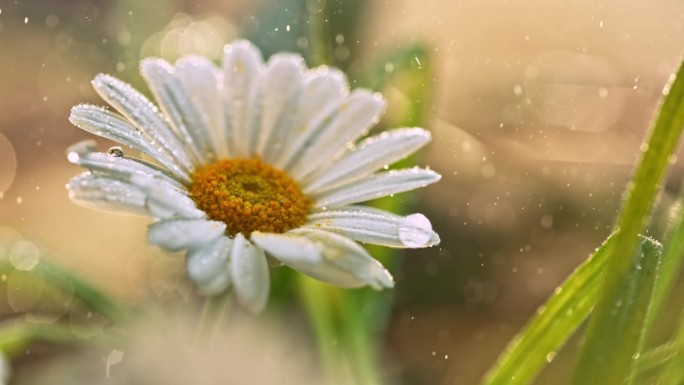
671,265
612,356
607,355
673,373
554,323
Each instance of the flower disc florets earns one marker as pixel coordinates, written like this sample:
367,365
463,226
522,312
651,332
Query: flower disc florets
249,195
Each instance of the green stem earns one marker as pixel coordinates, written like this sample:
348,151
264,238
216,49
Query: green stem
319,39
16,336
319,308
213,311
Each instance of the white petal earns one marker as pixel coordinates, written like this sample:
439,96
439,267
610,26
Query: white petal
105,193
369,156
178,106
282,84
241,71
164,202
249,272
207,267
216,285
321,94
106,124
376,186
345,124
376,227
117,167
201,78
326,256
181,234
144,115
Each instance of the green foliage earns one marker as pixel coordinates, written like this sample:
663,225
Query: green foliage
623,279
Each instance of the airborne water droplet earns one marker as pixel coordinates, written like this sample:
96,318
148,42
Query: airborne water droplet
415,231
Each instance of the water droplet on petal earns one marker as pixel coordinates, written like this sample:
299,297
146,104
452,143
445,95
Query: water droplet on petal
116,152
415,231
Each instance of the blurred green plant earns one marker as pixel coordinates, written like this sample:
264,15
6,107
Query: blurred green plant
624,282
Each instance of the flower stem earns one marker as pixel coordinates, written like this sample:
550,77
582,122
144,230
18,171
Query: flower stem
319,38
213,311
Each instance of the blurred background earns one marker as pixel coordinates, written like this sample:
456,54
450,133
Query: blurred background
538,111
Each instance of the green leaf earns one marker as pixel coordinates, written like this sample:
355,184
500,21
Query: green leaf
608,356
673,373
652,360
673,256
82,290
553,324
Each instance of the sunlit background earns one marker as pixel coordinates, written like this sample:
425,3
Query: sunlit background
538,111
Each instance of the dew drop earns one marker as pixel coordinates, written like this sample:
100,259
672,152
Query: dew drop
550,356
116,152
415,231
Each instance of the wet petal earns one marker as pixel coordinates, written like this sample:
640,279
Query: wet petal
377,186
117,167
321,94
144,115
105,193
202,78
181,234
282,84
346,123
325,256
376,227
241,74
109,125
164,202
177,104
207,266
249,272
369,156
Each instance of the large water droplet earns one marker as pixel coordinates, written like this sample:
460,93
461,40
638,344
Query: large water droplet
415,231
24,255
116,152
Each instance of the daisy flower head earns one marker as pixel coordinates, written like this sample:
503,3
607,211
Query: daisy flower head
248,160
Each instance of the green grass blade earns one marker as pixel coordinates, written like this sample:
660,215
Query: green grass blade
671,265
617,330
652,360
673,372
553,324
83,291
641,194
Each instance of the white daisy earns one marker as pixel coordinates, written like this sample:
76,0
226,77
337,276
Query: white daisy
253,159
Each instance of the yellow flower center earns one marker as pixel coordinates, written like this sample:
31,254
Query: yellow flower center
249,195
